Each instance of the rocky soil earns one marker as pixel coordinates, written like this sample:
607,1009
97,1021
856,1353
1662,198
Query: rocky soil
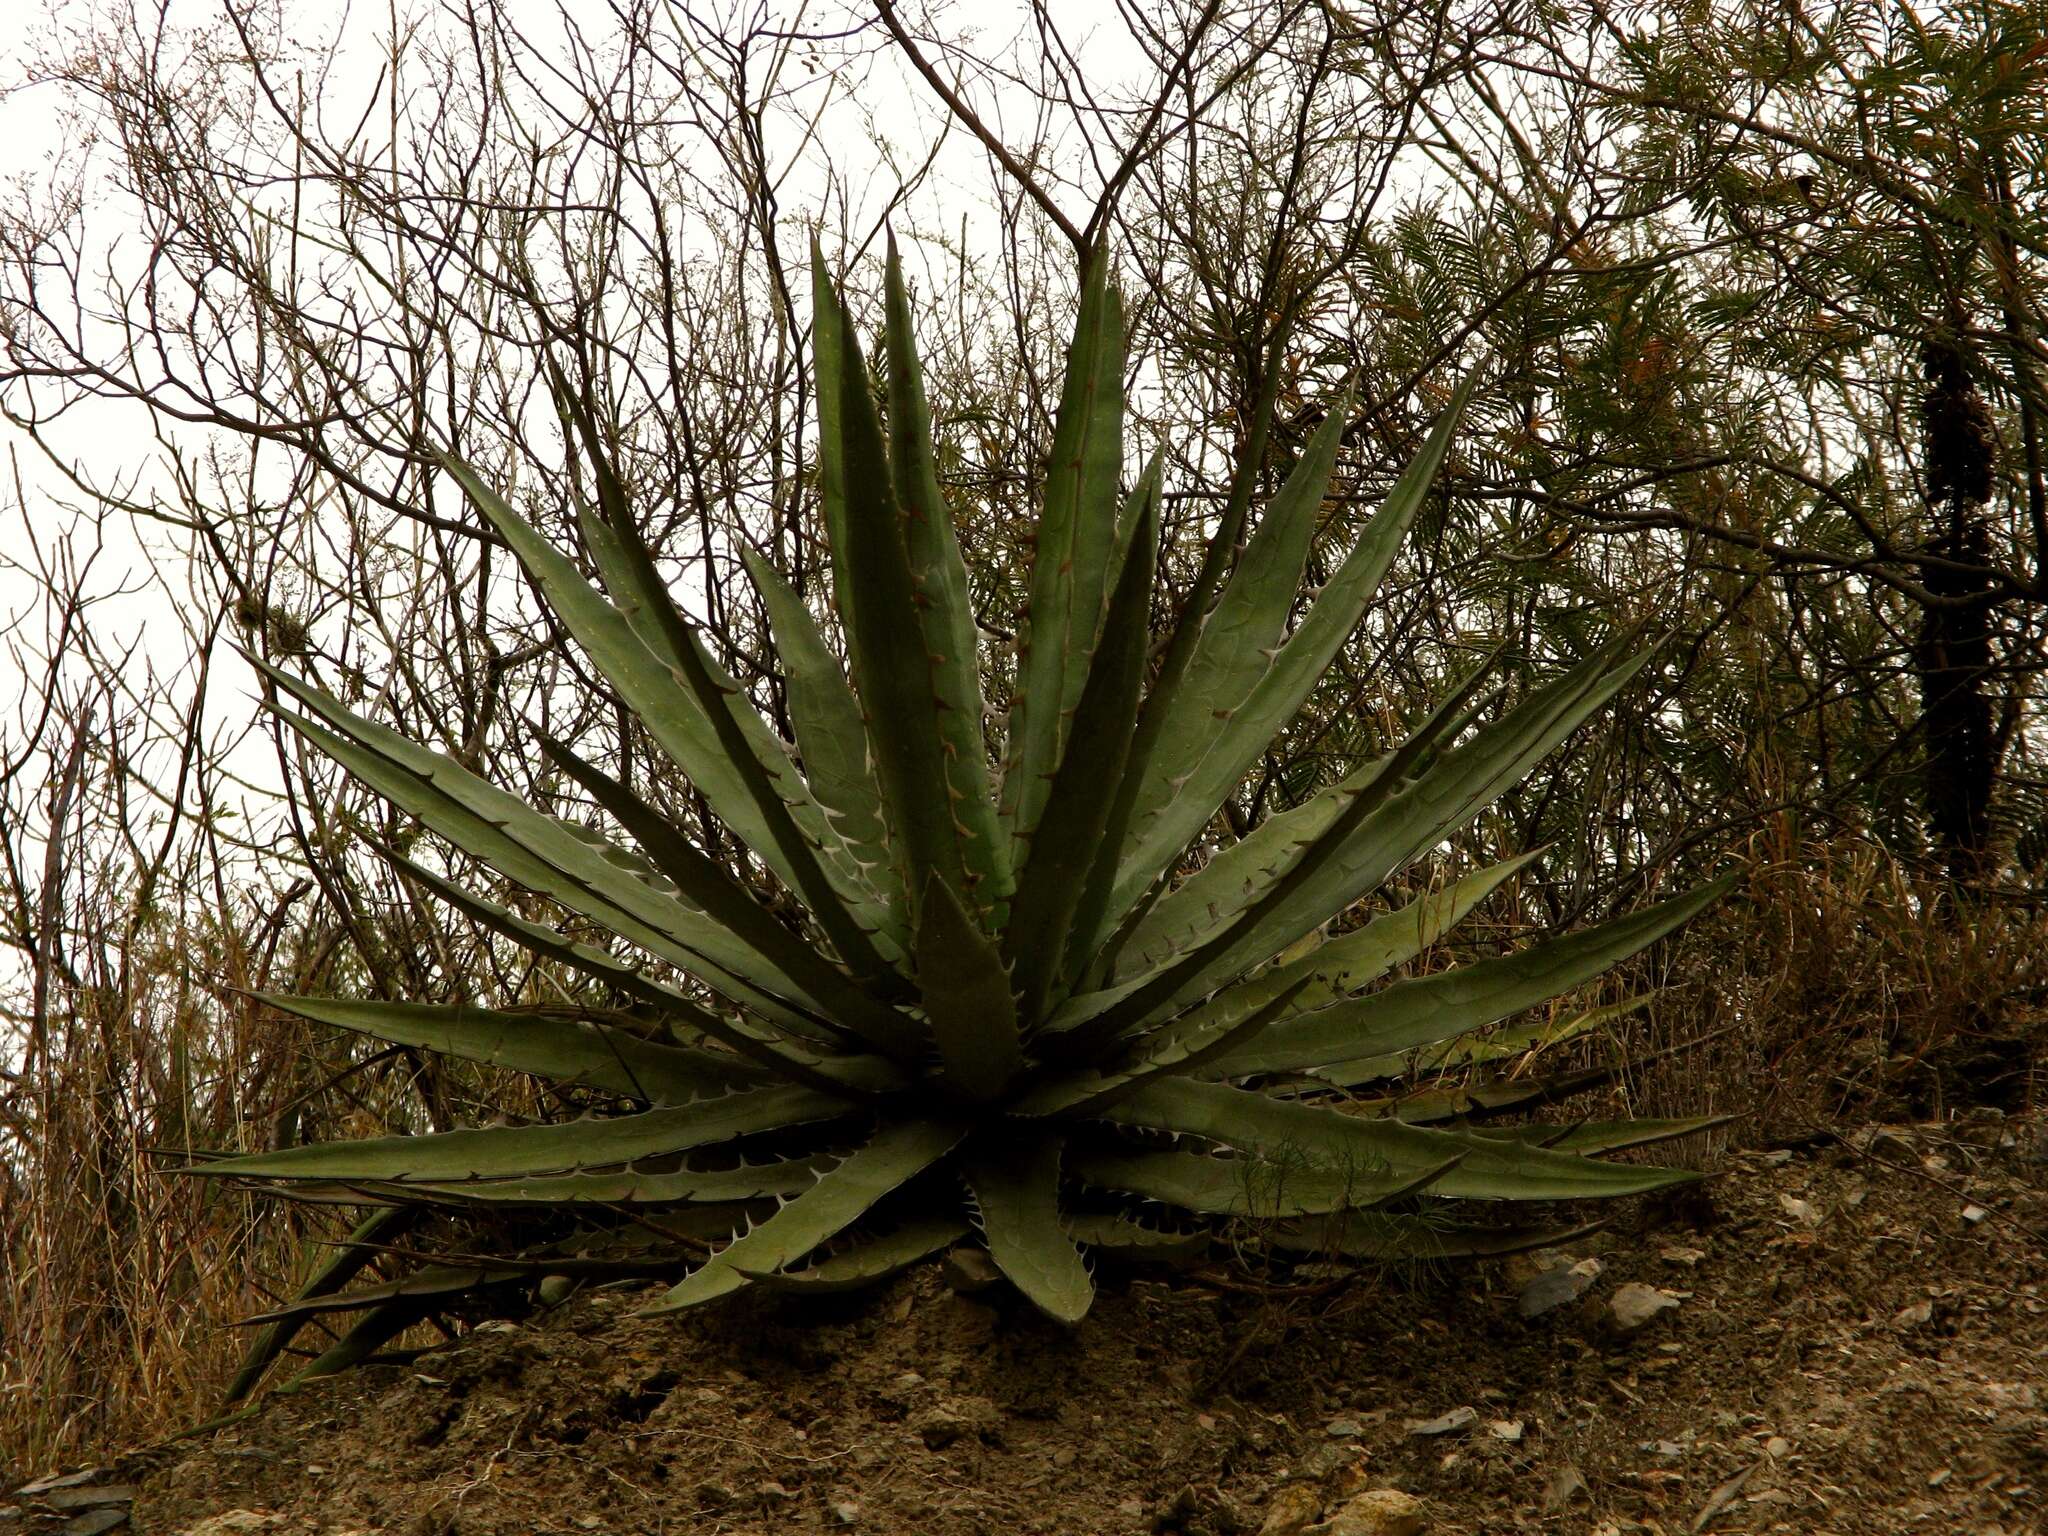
1847,1337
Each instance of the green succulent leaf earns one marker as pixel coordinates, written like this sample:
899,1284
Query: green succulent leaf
967,997
1017,1191
1253,1186
869,1261
1482,1168
833,740
897,1154
1380,1235
513,1151
629,1186
693,710
1124,1236
1070,571
1455,1002
893,664
1204,763
1055,874
564,1049
945,612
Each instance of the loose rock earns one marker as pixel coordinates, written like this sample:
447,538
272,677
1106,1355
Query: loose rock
1444,1424
1636,1304
1564,1486
1555,1287
1292,1509
970,1271
1379,1512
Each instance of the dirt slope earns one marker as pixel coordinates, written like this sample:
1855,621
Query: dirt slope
1860,1337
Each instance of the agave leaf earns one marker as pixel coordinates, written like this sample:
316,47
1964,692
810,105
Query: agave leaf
945,612
897,1154
350,1258
369,1335
893,665
435,1282
1232,646
1055,874
682,1012
830,334
765,1055
834,741
1468,1051
779,956
1449,1003
833,877
1318,884
867,1262
1376,836
1357,959
1017,1190
1235,878
541,853
1204,766
563,1049
695,713
967,997
1186,1045
513,1151
1070,570
1591,1136
630,1186
1113,1232
1380,1235
1286,1132
1251,1186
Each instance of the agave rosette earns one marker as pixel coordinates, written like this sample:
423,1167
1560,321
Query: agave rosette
1008,1013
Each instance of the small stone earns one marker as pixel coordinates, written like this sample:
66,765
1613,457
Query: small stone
1292,1509
1779,1158
1444,1423
1174,1514
1777,1447
94,1521
1918,1315
68,1480
1665,1448
1888,1144
1686,1256
89,1497
1378,1512
1636,1304
1343,1429
1564,1487
969,1271
846,1512
1799,1210
1555,1287
1507,1430
1974,1214
1936,1479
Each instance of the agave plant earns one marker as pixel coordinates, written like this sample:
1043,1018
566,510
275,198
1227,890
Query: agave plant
1015,1008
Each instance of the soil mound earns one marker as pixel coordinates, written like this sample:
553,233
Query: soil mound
1847,1337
